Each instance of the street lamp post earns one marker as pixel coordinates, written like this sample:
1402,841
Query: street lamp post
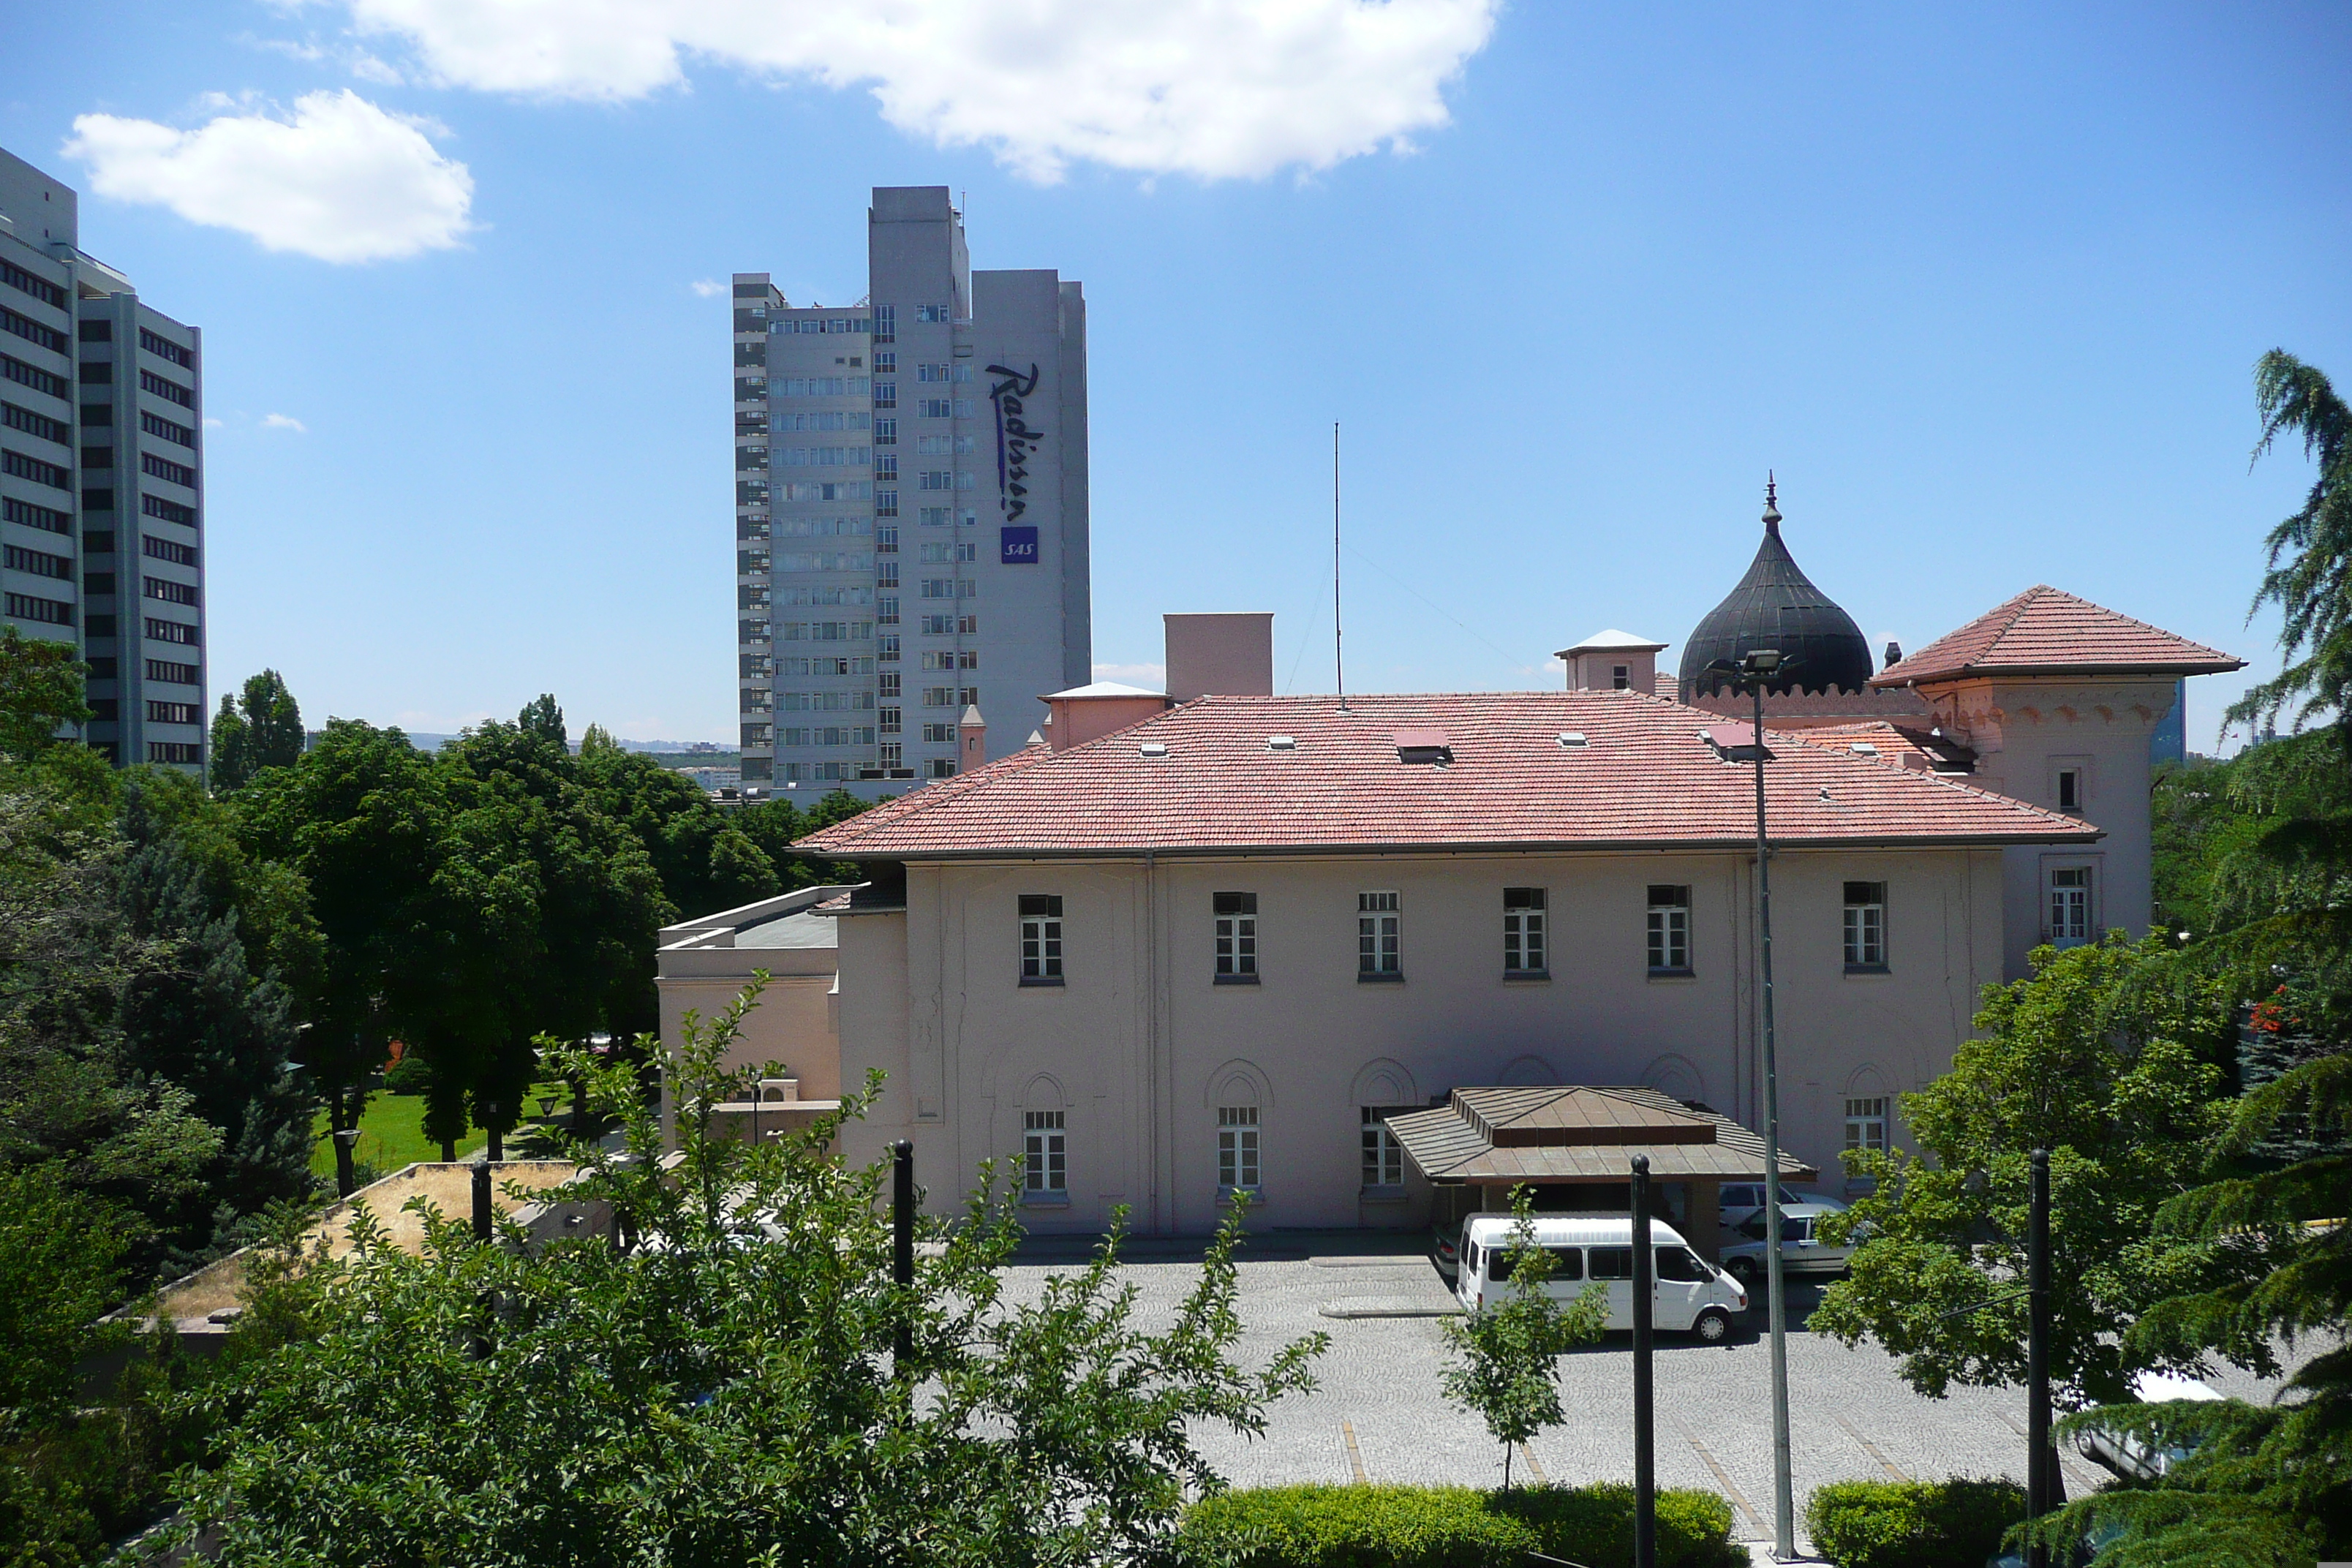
1755,670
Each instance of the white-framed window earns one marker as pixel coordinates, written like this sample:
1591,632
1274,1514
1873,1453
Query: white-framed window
1237,1165
1378,924
1045,1165
1865,1123
1866,925
2070,905
1041,938
1236,915
1621,676
1669,929
1523,931
1383,1155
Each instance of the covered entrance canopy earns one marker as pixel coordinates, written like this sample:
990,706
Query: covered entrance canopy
1484,1142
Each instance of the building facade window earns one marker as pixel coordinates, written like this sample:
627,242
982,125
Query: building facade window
2070,790
1237,916
1669,929
1041,938
1865,1124
1045,1163
1866,925
1523,931
1383,1156
2070,905
1237,1149
1379,930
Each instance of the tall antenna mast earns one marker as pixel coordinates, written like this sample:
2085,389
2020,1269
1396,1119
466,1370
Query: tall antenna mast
1339,662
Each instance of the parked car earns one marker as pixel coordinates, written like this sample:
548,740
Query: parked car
2131,1457
1800,1252
1688,1293
1735,1201
1445,1249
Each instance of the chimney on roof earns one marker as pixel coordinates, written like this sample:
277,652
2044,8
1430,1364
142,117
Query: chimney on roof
1894,654
1612,660
972,741
1084,713
1229,654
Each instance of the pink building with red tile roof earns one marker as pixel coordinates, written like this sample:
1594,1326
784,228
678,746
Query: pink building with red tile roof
1217,948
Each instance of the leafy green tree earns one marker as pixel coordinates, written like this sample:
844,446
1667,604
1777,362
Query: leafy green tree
1506,1367
2270,1484
231,748
40,692
275,719
2116,1083
261,728
364,819
583,899
722,1389
60,1271
704,859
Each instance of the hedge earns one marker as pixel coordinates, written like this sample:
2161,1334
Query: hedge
1913,1525
1451,1527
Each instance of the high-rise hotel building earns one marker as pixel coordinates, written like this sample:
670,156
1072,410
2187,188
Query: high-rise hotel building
102,477
910,509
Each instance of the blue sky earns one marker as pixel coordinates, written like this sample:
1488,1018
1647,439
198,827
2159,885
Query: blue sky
1984,285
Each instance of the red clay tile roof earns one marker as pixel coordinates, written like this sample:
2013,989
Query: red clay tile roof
1644,776
2043,630
1895,742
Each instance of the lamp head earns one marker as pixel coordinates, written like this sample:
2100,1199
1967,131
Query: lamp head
1761,661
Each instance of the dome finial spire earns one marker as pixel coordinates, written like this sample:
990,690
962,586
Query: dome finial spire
1771,503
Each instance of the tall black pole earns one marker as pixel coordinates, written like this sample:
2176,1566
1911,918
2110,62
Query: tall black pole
1646,1415
2037,1357
1784,1520
902,1242
481,1200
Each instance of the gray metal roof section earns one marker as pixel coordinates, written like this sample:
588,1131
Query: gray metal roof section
1565,1132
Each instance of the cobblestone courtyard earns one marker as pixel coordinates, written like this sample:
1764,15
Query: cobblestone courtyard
1379,1415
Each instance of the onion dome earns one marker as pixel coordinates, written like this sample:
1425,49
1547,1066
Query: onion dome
1776,606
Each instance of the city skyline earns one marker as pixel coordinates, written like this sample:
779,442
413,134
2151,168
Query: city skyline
1986,294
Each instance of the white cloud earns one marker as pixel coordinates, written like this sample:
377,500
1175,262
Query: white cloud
212,424
342,181
1151,677
284,422
708,287
1210,88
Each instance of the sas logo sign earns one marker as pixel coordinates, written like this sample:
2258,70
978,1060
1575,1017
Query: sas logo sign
1017,546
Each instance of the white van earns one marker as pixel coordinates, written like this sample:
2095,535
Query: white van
1689,1293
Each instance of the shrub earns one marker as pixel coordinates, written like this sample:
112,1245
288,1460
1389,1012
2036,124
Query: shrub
1450,1526
1912,1524
409,1075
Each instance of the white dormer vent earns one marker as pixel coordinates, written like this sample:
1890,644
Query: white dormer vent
1281,743
1153,748
1863,748
1573,739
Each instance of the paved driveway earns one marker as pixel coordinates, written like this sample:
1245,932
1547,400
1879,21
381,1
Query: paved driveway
1378,1414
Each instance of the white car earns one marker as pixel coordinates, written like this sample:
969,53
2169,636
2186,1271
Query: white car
2131,1457
1688,1293
1801,1251
1735,1201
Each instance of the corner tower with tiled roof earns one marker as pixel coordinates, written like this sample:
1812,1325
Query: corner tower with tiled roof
2058,698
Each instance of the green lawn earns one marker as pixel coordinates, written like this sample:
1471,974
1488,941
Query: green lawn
392,1133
